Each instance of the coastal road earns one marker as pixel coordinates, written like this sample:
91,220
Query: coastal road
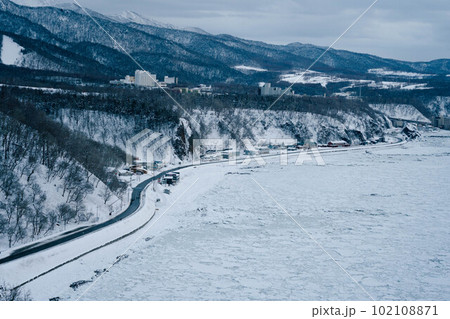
84,230
132,208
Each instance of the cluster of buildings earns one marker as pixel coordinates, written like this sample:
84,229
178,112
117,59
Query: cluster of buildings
441,122
171,178
146,79
266,89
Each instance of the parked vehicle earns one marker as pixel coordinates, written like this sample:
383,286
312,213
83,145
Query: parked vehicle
138,170
338,144
124,173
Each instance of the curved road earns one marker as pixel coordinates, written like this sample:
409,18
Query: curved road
132,208
84,230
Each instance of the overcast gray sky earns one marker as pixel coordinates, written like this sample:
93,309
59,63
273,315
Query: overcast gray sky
415,30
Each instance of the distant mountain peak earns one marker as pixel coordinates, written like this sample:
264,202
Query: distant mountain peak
133,17
196,30
295,44
62,41
40,3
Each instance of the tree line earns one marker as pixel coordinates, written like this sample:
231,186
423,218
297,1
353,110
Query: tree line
33,147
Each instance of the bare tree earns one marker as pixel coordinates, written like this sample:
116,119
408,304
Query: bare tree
52,220
8,293
66,213
106,194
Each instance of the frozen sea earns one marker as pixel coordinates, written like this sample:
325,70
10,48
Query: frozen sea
382,214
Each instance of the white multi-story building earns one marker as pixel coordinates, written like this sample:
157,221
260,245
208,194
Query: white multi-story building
170,80
143,78
266,89
128,80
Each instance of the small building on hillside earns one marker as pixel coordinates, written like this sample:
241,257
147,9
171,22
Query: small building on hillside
441,122
229,154
266,89
157,165
170,178
170,80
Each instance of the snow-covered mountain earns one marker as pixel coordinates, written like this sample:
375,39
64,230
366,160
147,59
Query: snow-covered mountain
40,3
131,16
65,35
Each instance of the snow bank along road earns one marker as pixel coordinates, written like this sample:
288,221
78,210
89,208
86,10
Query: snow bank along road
84,230
89,244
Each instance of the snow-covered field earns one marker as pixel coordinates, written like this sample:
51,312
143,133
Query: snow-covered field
381,213
314,77
387,85
245,68
440,106
400,111
385,72
11,52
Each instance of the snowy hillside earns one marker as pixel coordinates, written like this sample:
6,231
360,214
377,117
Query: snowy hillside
131,16
313,77
134,17
39,3
384,72
440,106
400,111
238,124
11,52
113,129
193,54
44,192
245,68
257,125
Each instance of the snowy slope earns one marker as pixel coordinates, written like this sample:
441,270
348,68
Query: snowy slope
32,189
14,54
196,56
245,68
247,123
134,17
313,77
440,106
39,3
131,16
112,129
257,125
400,111
11,52
96,210
385,72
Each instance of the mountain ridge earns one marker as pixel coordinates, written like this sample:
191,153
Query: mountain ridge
192,56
